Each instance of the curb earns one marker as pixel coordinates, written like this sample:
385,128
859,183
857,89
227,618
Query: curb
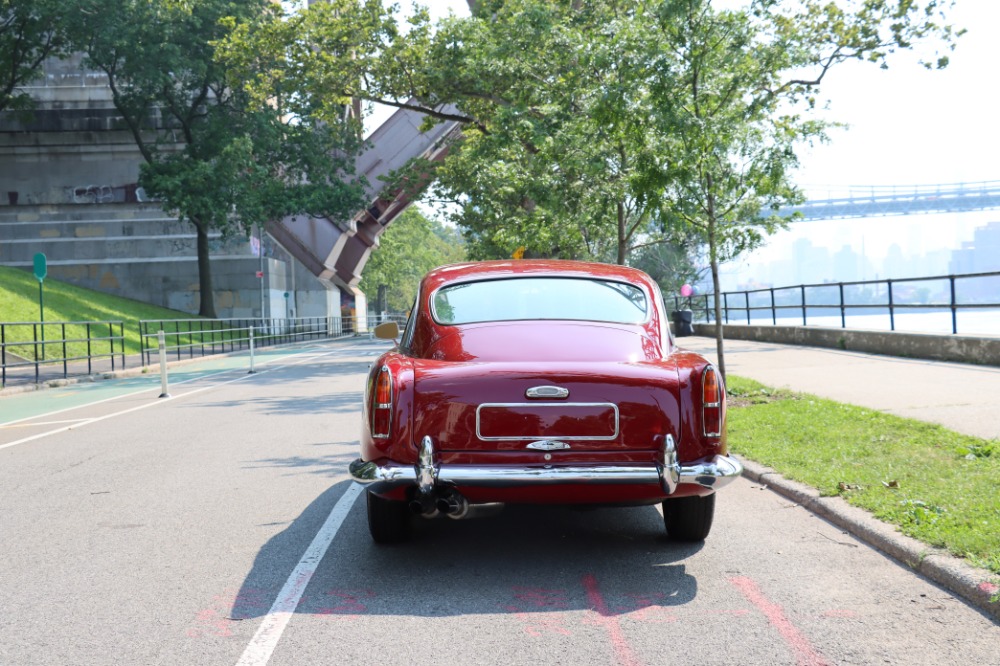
975,586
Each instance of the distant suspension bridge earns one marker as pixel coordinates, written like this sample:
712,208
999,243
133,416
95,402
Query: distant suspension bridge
882,200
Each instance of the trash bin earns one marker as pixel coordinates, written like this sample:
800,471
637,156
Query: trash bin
683,320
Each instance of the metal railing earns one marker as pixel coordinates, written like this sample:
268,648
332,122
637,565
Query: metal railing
191,338
37,351
59,349
819,304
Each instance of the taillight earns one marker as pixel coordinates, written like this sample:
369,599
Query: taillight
711,402
382,404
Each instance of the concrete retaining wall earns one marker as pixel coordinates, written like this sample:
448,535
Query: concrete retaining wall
958,348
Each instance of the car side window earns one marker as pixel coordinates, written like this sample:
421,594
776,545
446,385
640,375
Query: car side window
404,342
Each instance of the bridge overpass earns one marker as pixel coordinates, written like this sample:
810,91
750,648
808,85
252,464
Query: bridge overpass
875,201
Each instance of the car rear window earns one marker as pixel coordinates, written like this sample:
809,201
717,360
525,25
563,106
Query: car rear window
540,298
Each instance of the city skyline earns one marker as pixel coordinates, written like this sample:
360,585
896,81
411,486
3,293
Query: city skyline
797,256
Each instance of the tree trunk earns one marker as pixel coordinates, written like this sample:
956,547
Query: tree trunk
713,258
207,296
622,244
719,351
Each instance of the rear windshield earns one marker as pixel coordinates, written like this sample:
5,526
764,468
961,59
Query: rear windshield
541,298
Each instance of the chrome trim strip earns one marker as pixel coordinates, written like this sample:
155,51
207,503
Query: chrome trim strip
714,474
369,472
554,392
571,438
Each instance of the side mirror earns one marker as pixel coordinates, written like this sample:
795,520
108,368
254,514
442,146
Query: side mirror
387,331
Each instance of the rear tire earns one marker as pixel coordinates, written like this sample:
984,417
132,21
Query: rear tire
689,518
388,520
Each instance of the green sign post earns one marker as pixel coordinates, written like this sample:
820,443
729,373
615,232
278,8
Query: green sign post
41,270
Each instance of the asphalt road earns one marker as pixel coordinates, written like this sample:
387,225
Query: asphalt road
219,526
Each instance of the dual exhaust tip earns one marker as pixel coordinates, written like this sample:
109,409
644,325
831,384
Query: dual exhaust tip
452,504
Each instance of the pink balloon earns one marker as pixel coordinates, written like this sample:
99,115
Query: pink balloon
686,290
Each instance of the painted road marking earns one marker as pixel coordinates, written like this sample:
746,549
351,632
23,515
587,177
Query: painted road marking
35,424
98,419
262,645
623,651
805,654
114,397
83,422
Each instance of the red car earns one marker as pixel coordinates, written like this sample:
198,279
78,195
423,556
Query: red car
540,382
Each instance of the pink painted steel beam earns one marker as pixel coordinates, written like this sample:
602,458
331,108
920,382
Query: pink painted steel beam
337,250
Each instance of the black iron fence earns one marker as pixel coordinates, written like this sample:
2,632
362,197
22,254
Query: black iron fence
36,352
48,350
881,304
190,338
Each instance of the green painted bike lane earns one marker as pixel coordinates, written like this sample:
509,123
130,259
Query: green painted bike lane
77,394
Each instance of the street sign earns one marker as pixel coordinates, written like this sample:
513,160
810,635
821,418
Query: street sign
41,266
260,274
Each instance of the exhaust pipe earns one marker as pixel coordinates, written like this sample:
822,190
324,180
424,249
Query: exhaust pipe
457,507
423,506
453,505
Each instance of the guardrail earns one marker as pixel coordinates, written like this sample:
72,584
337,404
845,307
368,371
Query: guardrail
189,338
41,348
829,303
42,351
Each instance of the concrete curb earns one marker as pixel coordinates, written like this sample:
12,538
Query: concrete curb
975,586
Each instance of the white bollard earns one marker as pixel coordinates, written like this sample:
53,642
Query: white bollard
252,371
163,364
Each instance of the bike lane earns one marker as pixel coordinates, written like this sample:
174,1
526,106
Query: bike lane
28,415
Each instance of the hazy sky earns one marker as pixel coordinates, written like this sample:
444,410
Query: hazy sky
907,126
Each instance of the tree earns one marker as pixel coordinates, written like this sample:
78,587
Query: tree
555,154
215,156
408,249
30,32
598,129
734,88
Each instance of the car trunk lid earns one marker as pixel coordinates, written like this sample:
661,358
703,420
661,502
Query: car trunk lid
583,407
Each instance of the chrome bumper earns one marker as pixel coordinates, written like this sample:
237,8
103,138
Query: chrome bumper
426,474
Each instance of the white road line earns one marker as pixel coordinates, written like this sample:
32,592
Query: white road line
15,424
148,389
306,353
262,645
158,401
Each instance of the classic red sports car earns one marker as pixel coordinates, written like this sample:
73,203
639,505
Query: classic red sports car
540,382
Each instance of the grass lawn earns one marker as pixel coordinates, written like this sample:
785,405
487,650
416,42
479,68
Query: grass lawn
65,302
935,485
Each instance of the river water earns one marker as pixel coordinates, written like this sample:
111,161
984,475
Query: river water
984,322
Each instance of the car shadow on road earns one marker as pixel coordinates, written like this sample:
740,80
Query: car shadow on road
527,559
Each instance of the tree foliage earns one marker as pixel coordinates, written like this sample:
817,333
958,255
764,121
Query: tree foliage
598,129
216,156
410,247
30,32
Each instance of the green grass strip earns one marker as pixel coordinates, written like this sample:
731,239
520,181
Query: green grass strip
935,485
66,302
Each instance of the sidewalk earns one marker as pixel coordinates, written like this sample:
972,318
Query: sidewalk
961,397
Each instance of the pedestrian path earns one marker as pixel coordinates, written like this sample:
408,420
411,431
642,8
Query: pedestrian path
964,398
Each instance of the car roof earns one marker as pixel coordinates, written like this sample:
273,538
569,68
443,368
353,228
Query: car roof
487,270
